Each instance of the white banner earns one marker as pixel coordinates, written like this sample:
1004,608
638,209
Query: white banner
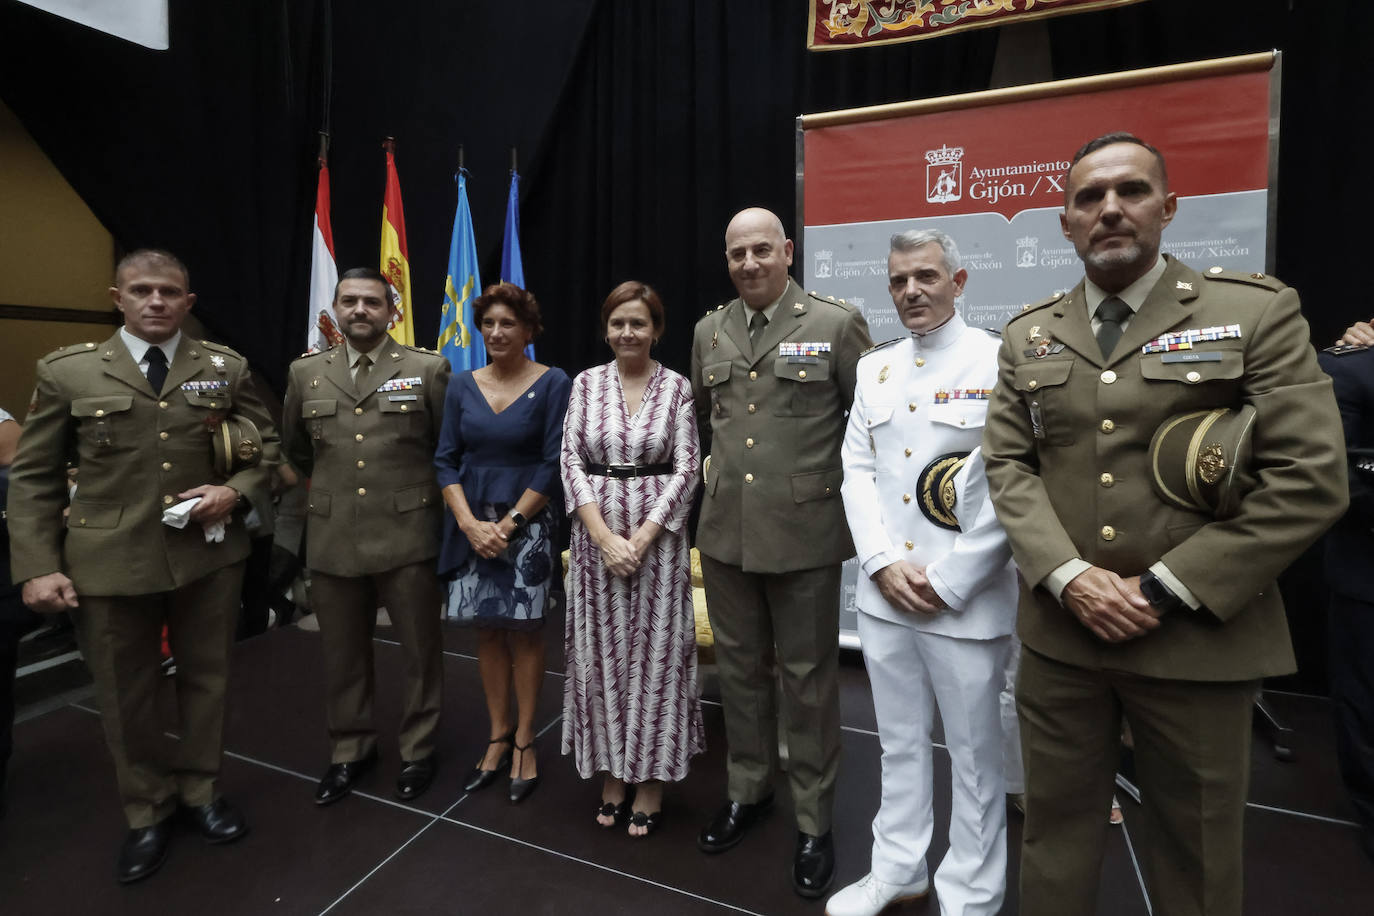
141,21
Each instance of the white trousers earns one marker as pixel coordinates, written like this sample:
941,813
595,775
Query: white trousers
910,671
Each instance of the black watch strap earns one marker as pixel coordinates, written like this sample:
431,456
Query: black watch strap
1158,594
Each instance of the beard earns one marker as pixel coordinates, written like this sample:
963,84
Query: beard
1118,259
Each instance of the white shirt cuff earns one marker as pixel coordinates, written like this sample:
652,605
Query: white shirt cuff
1060,577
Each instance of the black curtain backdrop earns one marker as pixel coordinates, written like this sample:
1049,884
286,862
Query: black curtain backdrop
641,128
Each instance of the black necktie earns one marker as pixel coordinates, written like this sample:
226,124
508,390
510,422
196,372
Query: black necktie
1111,312
157,368
757,321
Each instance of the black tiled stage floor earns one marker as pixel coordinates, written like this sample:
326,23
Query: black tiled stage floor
455,853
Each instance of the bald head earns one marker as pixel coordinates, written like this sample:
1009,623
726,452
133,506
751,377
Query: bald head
758,254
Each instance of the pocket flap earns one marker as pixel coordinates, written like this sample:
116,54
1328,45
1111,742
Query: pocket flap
877,416
963,415
715,374
89,513
1042,373
416,497
1192,373
99,407
412,404
816,485
818,371
320,408
319,502
210,400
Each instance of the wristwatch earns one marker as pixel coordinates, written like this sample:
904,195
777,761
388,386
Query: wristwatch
1160,596
518,520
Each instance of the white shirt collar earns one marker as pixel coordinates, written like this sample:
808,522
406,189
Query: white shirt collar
138,347
943,336
1133,295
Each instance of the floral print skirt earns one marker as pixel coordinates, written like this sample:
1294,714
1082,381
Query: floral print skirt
509,591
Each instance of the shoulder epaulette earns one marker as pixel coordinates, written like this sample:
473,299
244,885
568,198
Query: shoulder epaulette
879,346
995,332
1264,281
1032,306
1345,349
425,350
221,348
831,300
69,350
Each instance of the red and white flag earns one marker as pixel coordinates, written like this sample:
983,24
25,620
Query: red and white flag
321,330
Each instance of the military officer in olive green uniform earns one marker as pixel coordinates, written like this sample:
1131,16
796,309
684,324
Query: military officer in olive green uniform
137,414
362,421
1131,605
773,373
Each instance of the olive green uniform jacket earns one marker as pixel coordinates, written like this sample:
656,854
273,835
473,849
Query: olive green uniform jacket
772,425
1066,447
136,451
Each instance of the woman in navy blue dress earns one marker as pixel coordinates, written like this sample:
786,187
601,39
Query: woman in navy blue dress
498,466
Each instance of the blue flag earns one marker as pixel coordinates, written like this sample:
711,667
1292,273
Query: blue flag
458,338
512,265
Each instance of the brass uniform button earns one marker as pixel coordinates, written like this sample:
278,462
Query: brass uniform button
1032,385
404,408
1108,377
167,500
827,491
314,412
920,361
362,464
162,435
752,408
90,346
1108,533
753,375
362,491
163,404
748,478
1214,270
711,377
1194,377
1106,479
214,403
1108,426
83,521
910,546
801,374
963,422
911,407
908,452
906,497
314,383
166,465
358,437
100,413
748,443
358,411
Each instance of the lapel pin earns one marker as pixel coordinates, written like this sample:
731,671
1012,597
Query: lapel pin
714,337
218,362
882,374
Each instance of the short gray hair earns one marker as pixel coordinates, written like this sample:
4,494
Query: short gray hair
915,238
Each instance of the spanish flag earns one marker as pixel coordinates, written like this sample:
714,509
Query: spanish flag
395,258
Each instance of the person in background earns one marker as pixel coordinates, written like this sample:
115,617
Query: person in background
630,457
138,414
498,467
361,421
15,619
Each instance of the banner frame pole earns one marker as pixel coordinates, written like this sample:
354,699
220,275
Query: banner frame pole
1272,210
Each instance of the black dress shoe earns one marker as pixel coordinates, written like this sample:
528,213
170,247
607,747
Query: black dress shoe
480,778
415,778
218,822
521,789
728,826
144,851
813,864
339,778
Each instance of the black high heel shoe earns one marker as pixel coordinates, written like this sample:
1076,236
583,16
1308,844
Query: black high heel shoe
521,789
480,778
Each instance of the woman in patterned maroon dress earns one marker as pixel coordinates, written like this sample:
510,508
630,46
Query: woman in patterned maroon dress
630,460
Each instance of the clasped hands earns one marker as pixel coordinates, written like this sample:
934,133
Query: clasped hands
489,539
906,588
623,556
1113,608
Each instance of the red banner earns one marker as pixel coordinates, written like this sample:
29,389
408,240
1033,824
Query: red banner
836,24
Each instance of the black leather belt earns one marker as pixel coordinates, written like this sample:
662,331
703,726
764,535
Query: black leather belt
627,471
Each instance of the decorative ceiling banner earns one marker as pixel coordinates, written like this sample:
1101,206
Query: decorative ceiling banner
837,24
143,22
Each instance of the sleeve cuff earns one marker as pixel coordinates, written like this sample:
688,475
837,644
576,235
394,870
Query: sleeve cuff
1060,577
952,599
878,561
1175,586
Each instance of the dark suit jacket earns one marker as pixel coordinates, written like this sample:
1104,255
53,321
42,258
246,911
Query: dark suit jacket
136,451
374,503
773,425
1350,544
1051,496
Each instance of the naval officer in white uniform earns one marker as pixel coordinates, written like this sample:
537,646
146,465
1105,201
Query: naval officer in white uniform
937,600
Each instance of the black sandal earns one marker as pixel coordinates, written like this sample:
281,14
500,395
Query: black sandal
616,811
647,820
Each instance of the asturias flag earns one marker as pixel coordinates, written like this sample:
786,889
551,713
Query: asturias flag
512,265
395,256
458,339
321,332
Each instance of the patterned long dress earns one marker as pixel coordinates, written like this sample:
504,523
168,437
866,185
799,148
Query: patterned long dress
630,706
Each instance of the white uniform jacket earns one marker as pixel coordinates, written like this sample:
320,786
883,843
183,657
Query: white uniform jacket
915,400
